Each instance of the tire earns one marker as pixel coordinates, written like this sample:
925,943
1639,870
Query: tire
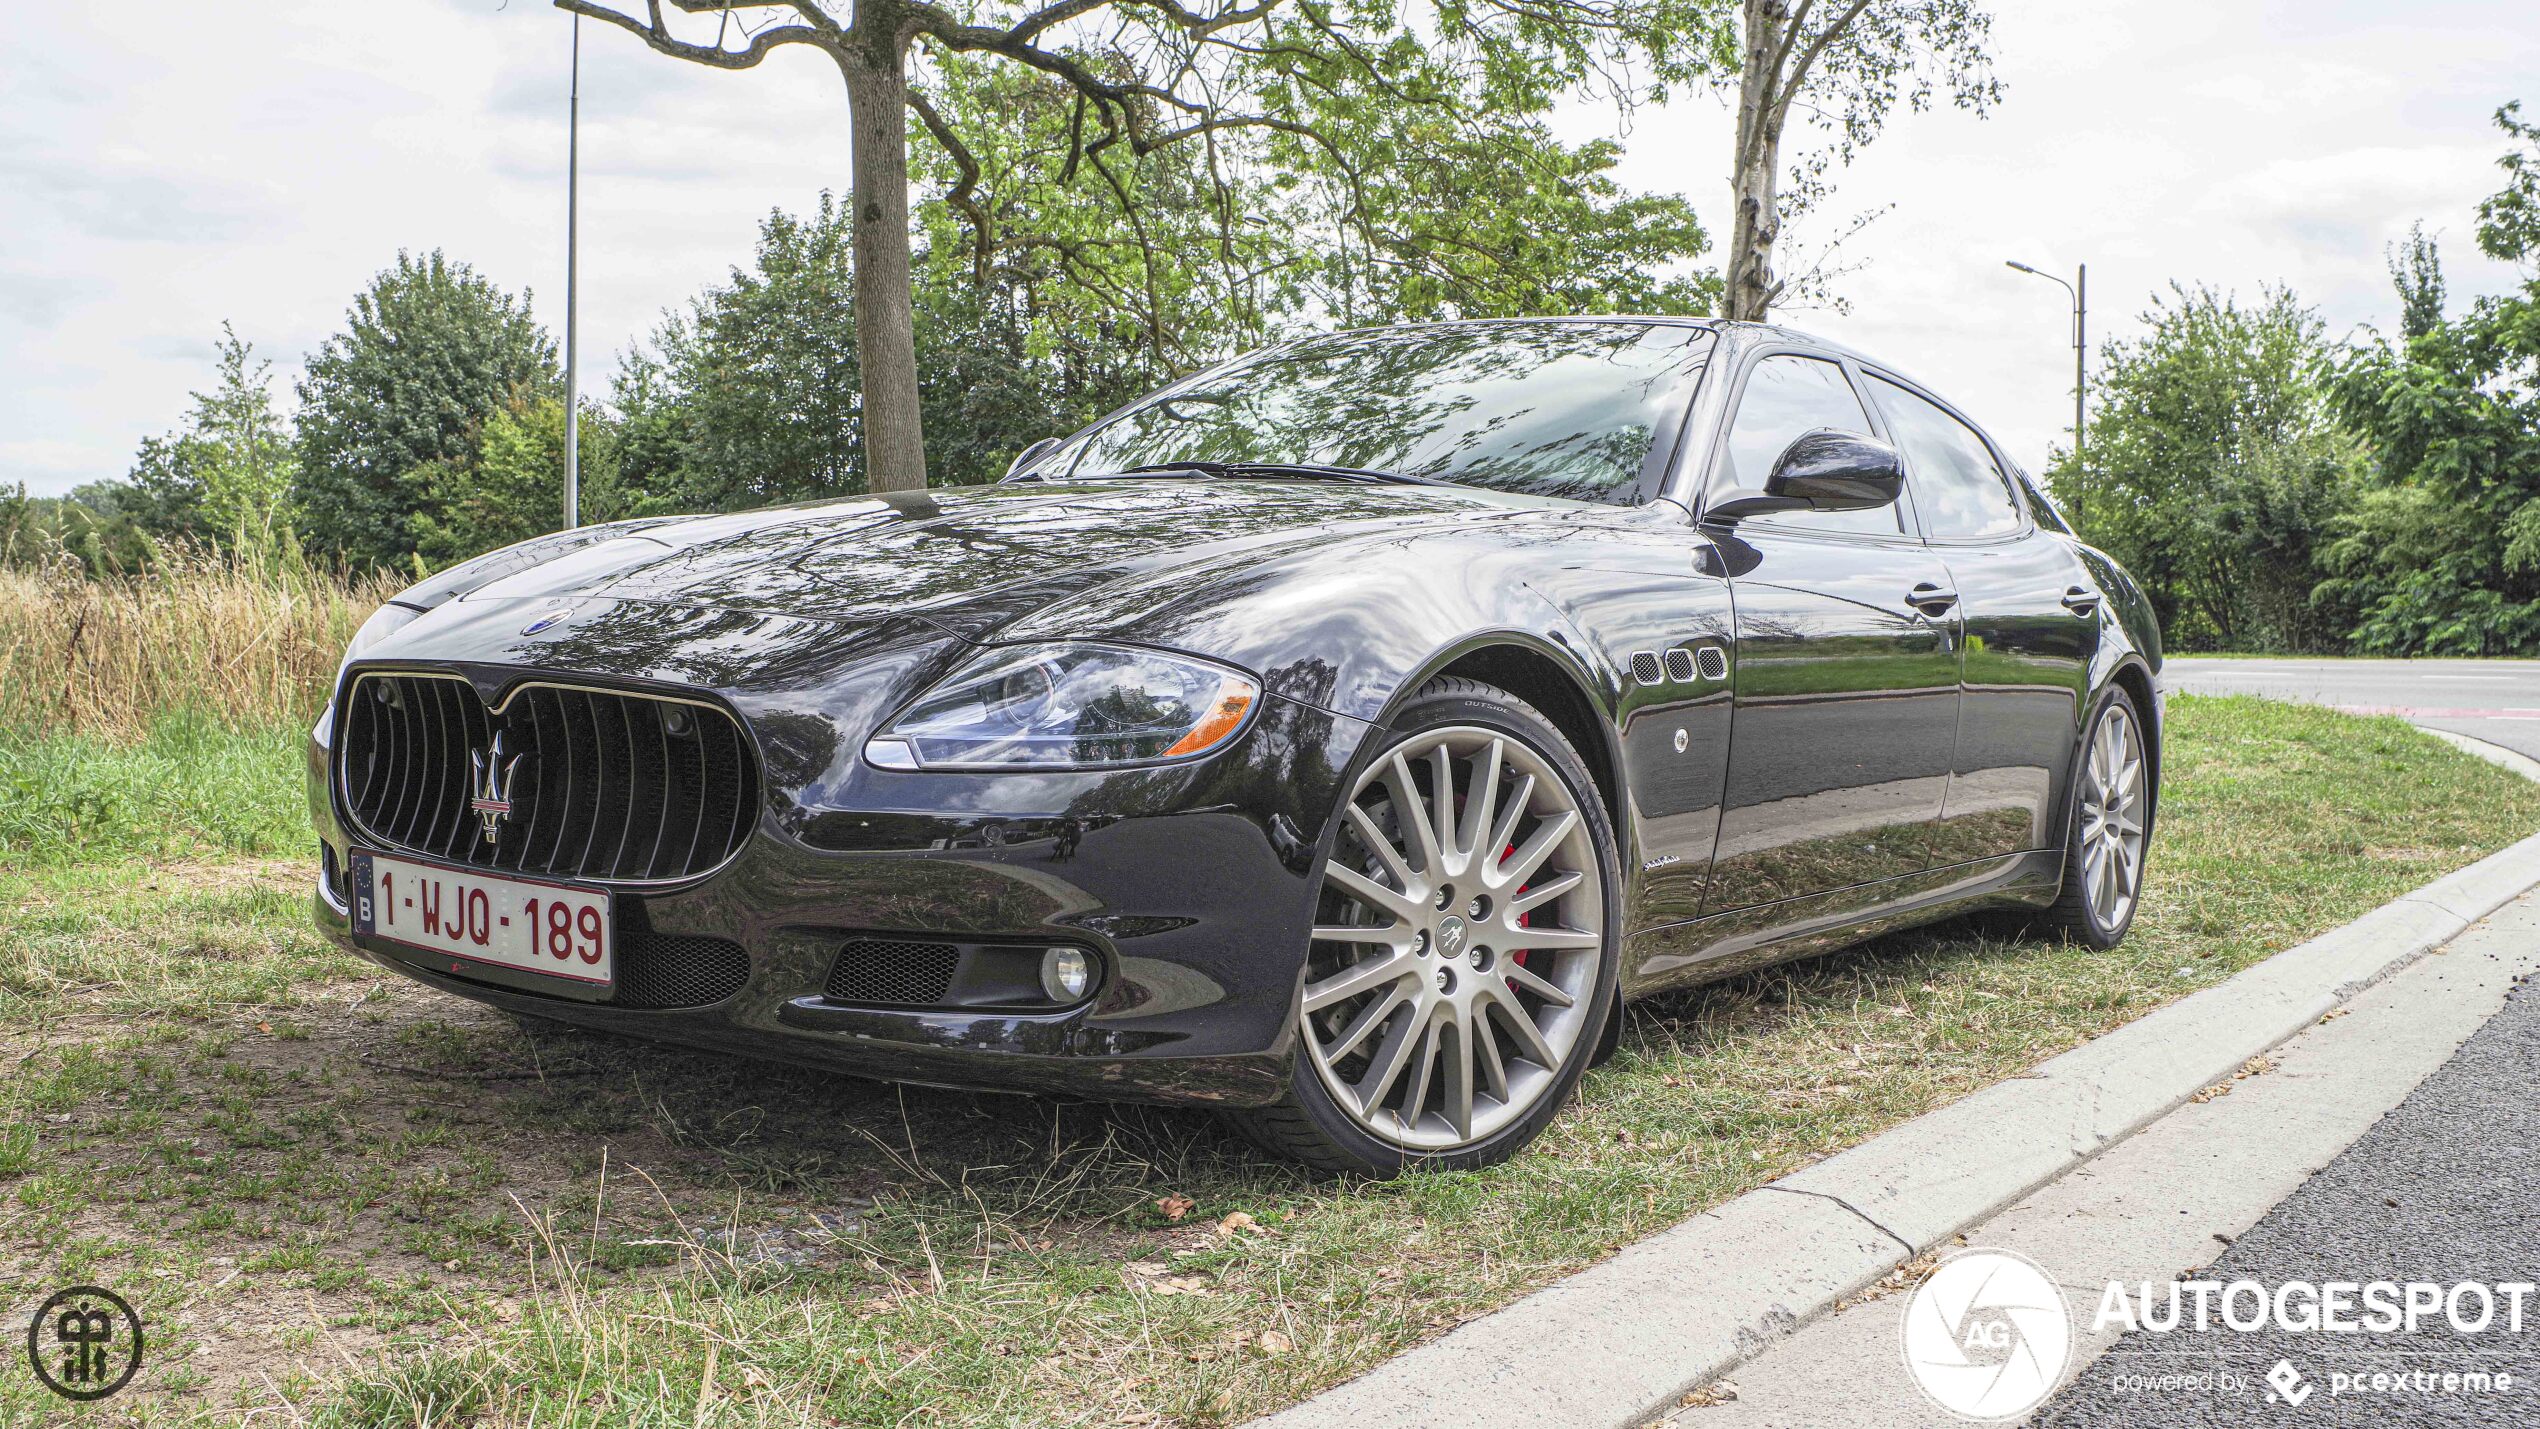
1410,1053
2097,902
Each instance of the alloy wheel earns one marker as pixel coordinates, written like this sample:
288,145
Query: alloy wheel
1459,942
2112,818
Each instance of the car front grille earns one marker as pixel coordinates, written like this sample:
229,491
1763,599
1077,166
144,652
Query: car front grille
605,786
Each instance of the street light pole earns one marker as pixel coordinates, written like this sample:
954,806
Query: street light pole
2081,377
572,292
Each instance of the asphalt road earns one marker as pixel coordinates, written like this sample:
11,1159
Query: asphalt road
2446,1189
2494,700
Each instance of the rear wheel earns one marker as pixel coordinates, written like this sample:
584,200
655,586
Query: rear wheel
2109,830
1462,965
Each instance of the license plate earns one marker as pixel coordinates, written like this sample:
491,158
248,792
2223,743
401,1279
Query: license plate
558,929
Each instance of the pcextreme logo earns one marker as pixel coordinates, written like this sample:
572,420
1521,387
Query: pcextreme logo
1987,1336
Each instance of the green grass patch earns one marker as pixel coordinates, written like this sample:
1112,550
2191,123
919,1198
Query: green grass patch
191,788
386,1206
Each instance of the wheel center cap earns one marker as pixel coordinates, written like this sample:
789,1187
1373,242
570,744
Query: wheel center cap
1451,937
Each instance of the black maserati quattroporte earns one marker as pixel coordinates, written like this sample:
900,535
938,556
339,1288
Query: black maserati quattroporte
1335,737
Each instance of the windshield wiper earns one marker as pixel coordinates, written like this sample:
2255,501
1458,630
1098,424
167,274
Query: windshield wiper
1309,469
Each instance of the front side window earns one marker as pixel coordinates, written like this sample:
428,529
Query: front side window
1788,396
1957,488
1570,410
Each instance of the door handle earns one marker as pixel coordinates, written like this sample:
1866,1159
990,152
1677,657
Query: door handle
2082,601
1931,600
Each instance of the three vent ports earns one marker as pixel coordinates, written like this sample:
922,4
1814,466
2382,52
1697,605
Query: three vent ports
1680,665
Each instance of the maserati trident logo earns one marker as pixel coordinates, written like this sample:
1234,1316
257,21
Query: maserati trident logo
1451,937
491,787
549,619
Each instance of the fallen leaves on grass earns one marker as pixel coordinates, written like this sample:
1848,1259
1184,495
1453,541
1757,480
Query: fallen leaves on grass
1157,1278
1174,1208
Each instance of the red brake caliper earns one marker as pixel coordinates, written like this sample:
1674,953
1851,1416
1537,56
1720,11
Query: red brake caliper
1521,955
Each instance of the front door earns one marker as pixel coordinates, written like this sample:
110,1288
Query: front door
1845,705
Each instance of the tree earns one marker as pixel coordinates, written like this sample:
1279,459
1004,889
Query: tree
222,478
1846,63
430,352
2216,469
1227,76
511,486
2443,557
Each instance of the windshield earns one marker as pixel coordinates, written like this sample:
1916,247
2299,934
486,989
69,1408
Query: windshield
1540,408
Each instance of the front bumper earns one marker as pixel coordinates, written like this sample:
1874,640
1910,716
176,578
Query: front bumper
1192,886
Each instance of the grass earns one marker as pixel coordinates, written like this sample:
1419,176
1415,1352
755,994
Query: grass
348,1201
253,646
188,787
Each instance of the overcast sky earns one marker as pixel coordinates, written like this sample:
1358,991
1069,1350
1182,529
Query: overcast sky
167,164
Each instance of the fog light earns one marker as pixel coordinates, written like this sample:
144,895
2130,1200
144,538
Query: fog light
1066,973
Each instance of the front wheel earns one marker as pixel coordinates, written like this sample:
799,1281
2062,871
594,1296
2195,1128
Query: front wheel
1463,960
2109,830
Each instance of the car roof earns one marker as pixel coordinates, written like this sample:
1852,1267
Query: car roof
1746,331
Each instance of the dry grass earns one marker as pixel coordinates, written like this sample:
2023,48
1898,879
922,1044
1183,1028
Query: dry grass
250,648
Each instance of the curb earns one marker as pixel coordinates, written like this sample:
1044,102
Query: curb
1617,1343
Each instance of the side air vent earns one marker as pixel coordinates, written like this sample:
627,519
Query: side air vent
893,973
1680,666
1646,669
1715,663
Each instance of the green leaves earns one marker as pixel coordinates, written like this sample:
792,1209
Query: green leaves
431,350
2216,469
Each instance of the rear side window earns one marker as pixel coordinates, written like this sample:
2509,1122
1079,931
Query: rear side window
1957,488
1787,397
2041,507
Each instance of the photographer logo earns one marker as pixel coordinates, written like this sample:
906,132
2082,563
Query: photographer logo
85,1343
1987,1336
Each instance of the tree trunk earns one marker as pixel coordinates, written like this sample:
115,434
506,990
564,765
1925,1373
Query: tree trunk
885,328
1756,166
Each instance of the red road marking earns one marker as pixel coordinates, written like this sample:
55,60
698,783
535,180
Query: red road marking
2420,712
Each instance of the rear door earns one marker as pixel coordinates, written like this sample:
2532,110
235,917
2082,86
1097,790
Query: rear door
2029,629
1846,679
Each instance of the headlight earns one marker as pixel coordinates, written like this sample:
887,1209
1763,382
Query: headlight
1068,707
383,622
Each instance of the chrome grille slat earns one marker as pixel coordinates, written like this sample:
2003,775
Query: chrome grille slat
601,790
699,831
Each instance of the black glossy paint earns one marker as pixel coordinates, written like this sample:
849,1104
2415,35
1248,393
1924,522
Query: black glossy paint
1857,765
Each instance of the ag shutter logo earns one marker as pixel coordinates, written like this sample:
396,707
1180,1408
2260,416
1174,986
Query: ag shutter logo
85,1343
1987,1336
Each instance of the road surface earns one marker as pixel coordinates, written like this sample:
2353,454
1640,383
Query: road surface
2445,1189
2494,700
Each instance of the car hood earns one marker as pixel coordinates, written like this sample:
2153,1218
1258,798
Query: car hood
973,560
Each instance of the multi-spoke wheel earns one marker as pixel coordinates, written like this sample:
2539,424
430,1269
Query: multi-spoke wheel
1460,966
2110,829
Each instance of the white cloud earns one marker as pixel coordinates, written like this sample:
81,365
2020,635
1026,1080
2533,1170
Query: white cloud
165,165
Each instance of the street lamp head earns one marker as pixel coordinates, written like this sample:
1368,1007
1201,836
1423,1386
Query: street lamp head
2023,267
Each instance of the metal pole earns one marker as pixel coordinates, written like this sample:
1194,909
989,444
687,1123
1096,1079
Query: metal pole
2081,359
2081,312
572,292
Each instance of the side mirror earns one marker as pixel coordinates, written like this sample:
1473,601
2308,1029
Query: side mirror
1023,459
1825,470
